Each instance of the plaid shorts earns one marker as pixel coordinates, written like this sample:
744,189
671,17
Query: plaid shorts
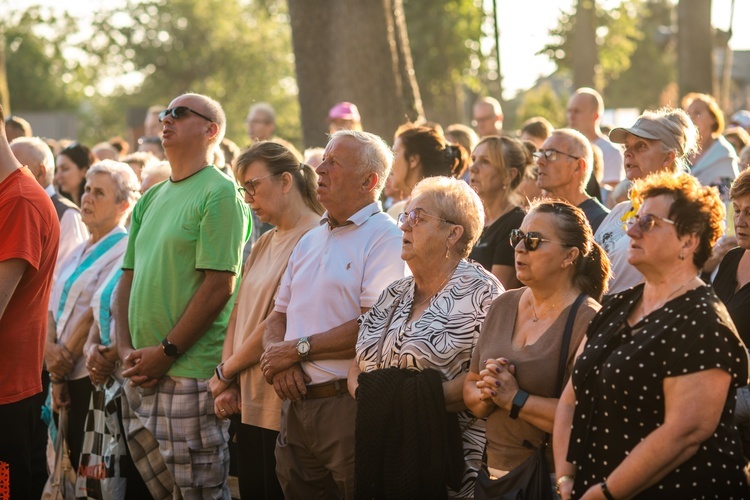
175,439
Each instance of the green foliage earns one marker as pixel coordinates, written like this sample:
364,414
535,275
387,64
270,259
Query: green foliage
444,39
618,35
542,100
654,63
236,52
42,74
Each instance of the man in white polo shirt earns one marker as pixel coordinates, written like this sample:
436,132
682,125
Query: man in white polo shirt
336,272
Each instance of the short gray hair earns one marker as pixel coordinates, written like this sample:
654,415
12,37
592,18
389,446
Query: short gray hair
455,201
375,155
215,112
123,177
581,147
265,108
41,152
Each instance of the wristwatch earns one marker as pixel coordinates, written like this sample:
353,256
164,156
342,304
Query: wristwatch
170,349
518,401
303,348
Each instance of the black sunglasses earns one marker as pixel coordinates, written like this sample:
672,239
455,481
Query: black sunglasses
530,240
179,112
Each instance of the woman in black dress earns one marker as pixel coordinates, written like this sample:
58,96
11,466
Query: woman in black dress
498,166
648,411
732,286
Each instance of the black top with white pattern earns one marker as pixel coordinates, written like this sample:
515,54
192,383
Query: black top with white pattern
618,381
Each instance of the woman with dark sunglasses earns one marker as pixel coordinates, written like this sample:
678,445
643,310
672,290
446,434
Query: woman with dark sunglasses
513,370
648,410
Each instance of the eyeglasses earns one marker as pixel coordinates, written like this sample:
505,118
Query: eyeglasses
415,216
530,240
249,188
646,222
179,112
149,140
551,154
482,119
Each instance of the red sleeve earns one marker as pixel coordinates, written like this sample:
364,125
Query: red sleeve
21,233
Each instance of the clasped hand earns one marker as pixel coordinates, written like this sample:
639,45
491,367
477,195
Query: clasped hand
277,358
145,367
101,361
498,382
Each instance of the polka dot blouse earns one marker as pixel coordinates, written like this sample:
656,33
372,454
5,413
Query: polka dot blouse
618,381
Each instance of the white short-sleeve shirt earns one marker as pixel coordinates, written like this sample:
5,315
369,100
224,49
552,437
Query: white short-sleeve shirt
335,272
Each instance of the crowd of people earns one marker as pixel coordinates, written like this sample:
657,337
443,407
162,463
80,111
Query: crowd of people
374,320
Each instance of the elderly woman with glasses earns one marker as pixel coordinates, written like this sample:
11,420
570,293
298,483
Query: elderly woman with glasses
427,322
659,141
648,411
512,379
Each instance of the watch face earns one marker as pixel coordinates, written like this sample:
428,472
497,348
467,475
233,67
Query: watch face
169,349
303,347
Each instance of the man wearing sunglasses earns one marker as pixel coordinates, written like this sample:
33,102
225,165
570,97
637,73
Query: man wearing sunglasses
564,165
172,306
336,273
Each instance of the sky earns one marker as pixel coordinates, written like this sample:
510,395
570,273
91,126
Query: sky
524,28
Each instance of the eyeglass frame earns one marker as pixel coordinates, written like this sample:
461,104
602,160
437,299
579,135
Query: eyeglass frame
178,115
418,213
637,218
546,153
530,246
246,192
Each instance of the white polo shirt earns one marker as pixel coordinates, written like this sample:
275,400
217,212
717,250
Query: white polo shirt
332,274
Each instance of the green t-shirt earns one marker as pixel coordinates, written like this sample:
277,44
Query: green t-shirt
177,230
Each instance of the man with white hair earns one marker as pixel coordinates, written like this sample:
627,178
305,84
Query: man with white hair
172,307
585,110
564,165
336,273
35,154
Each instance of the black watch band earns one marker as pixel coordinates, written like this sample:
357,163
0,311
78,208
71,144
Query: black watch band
518,401
170,349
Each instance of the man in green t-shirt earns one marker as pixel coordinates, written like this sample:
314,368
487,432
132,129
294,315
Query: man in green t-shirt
172,305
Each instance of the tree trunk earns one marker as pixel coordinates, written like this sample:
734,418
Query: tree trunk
356,52
694,47
585,56
4,92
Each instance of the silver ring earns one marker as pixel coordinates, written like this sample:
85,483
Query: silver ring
223,410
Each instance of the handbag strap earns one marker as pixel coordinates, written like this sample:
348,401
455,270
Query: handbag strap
567,334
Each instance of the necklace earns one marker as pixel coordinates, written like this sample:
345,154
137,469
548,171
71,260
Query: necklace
535,317
436,291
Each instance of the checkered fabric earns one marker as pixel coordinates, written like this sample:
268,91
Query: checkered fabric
98,475
176,441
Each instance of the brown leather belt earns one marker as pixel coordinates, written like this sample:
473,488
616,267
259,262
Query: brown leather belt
327,390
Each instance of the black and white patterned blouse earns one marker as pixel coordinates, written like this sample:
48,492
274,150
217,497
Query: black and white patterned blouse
442,339
618,381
